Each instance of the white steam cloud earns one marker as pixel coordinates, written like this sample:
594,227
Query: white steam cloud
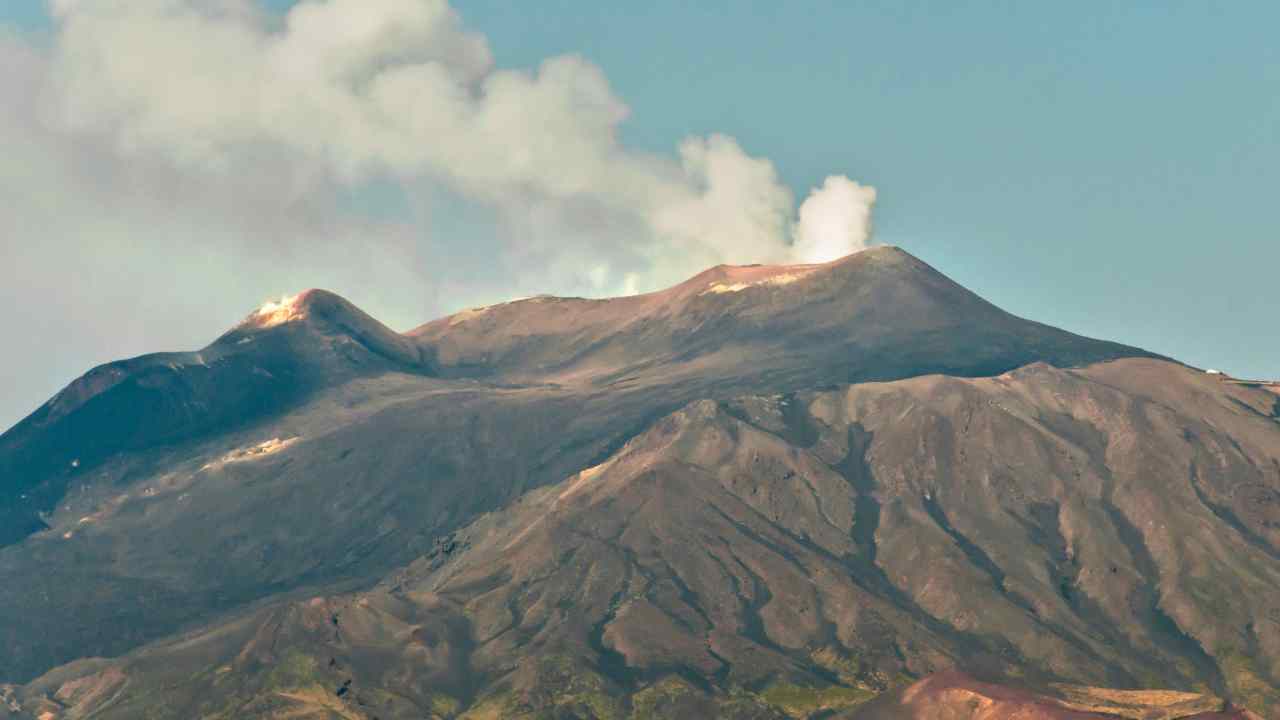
169,164
358,90
834,220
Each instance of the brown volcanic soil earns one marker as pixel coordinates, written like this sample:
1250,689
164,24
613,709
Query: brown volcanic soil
674,505
774,556
386,442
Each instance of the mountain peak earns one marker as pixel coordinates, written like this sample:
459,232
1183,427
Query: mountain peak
329,314
277,312
303,305
875,314
735,278
726,278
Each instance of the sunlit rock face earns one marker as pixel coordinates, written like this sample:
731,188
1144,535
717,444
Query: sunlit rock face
278,312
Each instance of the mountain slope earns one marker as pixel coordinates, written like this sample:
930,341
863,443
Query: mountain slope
366,445
875,315
773,556
763,493
275,359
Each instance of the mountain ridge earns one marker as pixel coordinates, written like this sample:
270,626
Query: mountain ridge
882,288
287,351
765,492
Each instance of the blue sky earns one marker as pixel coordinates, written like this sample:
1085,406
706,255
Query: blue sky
25,15
1110,168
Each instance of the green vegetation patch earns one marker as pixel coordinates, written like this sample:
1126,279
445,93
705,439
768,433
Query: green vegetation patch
561,689
743,704
295,670
1245,682
799,701
444,705
659,700
494,707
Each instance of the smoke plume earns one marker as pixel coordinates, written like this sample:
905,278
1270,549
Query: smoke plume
362,90
172,163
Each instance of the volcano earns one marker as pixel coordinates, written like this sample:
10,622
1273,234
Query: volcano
848,490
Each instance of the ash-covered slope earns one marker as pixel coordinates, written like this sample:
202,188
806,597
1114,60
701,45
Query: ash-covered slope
775,556
312,450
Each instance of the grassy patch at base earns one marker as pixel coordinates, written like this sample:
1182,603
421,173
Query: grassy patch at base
799,701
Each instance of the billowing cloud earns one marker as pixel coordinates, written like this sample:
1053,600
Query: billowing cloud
199,156
835,220
361,89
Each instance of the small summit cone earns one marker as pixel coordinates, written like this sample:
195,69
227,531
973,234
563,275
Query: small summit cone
329,314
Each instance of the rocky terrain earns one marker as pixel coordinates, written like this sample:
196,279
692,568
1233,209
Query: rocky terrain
846,490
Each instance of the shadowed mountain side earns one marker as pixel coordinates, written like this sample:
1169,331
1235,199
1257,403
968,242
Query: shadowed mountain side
775,556
277,358
342,490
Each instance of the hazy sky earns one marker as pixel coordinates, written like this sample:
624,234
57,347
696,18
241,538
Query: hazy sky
168,165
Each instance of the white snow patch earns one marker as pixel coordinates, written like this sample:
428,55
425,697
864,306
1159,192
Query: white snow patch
254,452
721,288
775,280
